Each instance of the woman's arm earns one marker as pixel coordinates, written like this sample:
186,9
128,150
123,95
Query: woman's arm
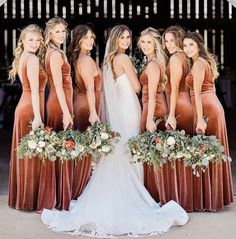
176,72
88,71
129,70
33,76
56,62
198,72
153,74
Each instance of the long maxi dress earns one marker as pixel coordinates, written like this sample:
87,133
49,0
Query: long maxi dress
180,187
63,170
25,173
213,189
160,112
82,170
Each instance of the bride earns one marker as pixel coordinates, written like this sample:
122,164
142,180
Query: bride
115,202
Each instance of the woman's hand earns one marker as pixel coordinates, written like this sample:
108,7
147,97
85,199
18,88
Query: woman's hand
93,118
201,126
171,123
67,121
36,123
151,126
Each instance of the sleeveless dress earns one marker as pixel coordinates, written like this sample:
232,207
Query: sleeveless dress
25,173
115,202
63,171
177,182
82,169
160,112
213,189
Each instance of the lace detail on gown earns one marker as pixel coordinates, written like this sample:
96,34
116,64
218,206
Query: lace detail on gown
115,202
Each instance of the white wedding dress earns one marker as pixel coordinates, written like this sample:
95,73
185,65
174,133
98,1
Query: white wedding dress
115,202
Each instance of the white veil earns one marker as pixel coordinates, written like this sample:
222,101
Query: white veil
109,109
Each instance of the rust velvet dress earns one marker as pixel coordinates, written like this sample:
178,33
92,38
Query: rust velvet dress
63,171
25,173
176,181
213,189
82,170
160,112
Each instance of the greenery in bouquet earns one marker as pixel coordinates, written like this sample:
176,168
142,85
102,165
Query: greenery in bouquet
40,143
171,145
100,139
139,61
143,149
203,150
71,145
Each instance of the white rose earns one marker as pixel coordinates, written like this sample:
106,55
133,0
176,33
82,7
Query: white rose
104,135
205,162
31,132
93,146
41,144
32,144
74,153
171,141
39,150
105,149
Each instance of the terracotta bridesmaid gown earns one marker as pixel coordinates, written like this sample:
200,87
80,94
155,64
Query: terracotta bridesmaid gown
160,111
176,181
213,189
82,170
60,174
25,173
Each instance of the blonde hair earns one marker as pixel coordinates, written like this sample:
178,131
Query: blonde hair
204,53
160,53
51,23
114,36
32,28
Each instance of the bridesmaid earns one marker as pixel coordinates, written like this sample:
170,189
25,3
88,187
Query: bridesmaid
59,109
25,173
87,79
153,80
180,116
213,188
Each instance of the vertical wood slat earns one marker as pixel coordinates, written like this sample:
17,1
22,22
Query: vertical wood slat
35,9
51,7
26,8
43,9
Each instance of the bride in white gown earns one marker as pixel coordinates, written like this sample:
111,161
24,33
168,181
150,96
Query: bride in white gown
115,202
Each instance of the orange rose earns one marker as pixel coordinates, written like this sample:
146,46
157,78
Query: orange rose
158,140
70,144
47,129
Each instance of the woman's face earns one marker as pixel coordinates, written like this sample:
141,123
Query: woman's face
87,42
58,34
170,43
124,41
190,48
147,45
31,42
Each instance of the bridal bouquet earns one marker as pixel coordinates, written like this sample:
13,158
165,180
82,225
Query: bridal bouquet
71,145
40,143
100,139
203,150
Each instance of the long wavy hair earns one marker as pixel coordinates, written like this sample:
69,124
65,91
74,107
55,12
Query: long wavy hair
159,52
114,36
204,53
79,33
178,33
32,28
51,23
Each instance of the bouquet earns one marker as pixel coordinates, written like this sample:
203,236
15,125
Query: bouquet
100,139
40,143
203,150
71,145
